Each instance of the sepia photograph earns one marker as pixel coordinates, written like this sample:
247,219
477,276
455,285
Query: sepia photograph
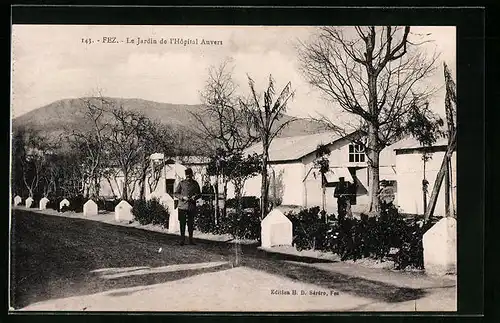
217,168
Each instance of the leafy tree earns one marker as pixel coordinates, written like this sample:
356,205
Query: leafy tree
18,158
239,169
265,112
322,163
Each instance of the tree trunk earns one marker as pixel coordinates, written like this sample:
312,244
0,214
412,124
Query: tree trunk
439,177
224,197
86,187
373,170
216,198
111,186
142,194
264,186
447,188
424,188
97,186
373,146
124,189
30,190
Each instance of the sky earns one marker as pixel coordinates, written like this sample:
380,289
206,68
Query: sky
54,62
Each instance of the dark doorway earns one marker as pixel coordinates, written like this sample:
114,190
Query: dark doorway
169,182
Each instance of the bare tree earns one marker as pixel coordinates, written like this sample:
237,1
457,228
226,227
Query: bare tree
265,116
125,143
374,74
61,168
92,142
224,124
31,149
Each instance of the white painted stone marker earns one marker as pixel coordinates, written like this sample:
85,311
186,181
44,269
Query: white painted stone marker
90,208
440,247
64,202
29,202
123,212
276,230
17,200
43,203
173,218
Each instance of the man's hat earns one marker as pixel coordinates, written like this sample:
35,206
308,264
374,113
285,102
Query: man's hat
188,171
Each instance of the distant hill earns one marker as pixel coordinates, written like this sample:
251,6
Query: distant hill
69,114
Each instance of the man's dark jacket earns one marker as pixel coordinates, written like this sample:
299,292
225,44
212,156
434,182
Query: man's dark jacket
187,188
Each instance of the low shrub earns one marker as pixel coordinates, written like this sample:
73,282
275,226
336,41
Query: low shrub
375,237
101,204
76,203
247,202
204,220
244,225
150,212
65,209
53,203
109,205
309,229
141,212
388,236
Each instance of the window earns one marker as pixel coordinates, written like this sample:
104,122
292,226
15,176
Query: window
356,153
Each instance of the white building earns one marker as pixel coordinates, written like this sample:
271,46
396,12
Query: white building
295,180
401,166
410,173
171,174
292,159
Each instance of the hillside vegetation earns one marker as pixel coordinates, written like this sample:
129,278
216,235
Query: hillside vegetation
69,114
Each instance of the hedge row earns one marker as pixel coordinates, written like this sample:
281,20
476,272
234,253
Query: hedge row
389,235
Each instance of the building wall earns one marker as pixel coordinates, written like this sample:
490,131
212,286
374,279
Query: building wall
251,187
108,190
313,191
339,157
292,175
410,170
308,192
170,172
116,187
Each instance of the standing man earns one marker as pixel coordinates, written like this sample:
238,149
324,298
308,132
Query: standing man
187,191
343,198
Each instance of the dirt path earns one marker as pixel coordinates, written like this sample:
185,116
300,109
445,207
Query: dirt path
61,263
